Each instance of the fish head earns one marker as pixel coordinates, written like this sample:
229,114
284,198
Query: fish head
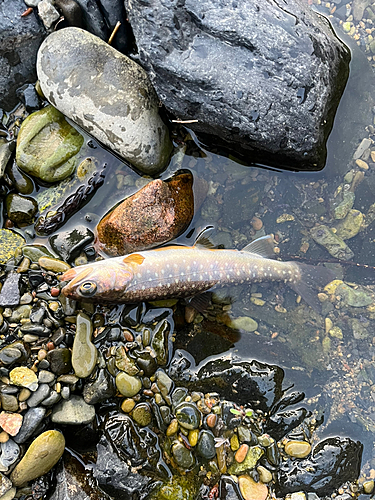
101,281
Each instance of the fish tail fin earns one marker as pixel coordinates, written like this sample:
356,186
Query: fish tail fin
312,278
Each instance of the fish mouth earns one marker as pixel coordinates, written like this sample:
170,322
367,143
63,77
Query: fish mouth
74,276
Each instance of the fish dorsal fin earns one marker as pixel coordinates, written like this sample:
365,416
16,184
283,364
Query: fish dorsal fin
263,246
133,258
203,238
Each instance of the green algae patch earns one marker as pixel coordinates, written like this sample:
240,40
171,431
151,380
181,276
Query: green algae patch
9,242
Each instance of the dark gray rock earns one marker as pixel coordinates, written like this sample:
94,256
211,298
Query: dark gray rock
39,395
93,19
68,244
99,390
113,11
265,79
20,38
30,423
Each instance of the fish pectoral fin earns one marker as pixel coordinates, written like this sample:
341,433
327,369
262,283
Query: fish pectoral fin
203,238
200,302
264,247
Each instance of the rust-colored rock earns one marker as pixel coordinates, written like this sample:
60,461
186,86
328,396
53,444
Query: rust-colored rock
156,214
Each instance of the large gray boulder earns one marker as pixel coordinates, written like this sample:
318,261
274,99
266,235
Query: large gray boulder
20,38
263,76
105,93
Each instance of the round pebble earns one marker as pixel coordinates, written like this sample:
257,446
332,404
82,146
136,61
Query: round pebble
256,223
264,474
183,457
193,437
142,414
206,445
297,449
127,405
211,420
188,415
41,456
128,385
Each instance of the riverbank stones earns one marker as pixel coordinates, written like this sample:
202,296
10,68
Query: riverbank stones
41,456
105,93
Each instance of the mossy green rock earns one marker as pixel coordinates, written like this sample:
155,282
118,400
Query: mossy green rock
336,246
21,209
252,457
9,242
243,323
359,297
34,252
343,204
84,353
42,455
47,145
350,226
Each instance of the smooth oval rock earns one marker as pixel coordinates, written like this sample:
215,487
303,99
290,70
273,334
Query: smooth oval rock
251,490
157,213
298,449
47,145
74,411
188,416
84,353
128,385
184,458
206,445
105,93
41,456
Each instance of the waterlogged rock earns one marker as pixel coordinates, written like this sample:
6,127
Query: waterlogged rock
142,414
24,377
188,416
105,93
101,389
69,244
183,457
74,411
157,213
342,204
10,292
332,462
324,236
47,145
253,455
242,323
351,225
84,353
128,385
355,297
20,209
41,456
359,328
251,490
206,445
9,242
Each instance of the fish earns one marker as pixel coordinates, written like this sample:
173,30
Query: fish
178,271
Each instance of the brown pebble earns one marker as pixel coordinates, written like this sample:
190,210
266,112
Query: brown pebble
8,224
241,453
55,292
147,392
211,420
50,346
190,314
129,337
42,353
4,437
257,223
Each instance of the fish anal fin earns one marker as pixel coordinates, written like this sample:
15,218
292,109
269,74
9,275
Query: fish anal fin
203,238
134,258
263,246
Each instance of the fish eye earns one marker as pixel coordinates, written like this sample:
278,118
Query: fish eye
88,288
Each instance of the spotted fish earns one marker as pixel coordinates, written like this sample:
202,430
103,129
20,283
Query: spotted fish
182,272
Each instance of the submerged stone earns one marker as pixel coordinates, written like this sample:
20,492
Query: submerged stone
109,95
41,456
355,297
324,236
157,213
47,145
351,225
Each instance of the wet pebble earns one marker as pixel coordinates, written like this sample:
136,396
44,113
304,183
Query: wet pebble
24,377
60,360
41,456
84,353
128,385
251,490
74,411
142,414
127,405
188,416
100,389
183,457
253,455
52,264
206,445
31,420
45,377
21,209
297,449
9,402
